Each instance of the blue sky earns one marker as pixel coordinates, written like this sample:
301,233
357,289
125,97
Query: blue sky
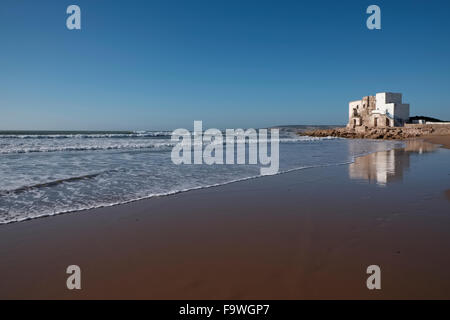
231,63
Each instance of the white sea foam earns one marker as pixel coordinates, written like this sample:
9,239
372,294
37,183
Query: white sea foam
31,145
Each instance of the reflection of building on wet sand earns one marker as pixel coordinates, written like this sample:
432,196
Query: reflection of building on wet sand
387,166
382,166
419,146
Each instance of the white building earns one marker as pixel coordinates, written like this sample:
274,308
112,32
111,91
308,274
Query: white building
385,109
390,104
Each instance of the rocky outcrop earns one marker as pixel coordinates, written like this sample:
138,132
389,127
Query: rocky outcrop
379,133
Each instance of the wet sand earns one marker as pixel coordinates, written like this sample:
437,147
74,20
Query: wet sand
308,234
441,140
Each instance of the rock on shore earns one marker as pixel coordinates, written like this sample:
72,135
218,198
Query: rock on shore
380,133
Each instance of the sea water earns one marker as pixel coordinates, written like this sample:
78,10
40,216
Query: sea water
47,173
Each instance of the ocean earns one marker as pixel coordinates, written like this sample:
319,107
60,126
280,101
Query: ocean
45,173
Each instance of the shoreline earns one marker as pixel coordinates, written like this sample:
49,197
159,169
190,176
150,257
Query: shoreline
268,238
442,140
173,193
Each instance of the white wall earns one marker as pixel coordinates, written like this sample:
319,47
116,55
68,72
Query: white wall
391,103
352,105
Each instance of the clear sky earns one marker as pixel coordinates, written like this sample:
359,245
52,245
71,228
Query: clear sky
231,63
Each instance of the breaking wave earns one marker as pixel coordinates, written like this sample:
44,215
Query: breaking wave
137,134
49,184
117,144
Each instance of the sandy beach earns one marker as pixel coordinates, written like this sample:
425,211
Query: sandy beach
444,141
307,234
